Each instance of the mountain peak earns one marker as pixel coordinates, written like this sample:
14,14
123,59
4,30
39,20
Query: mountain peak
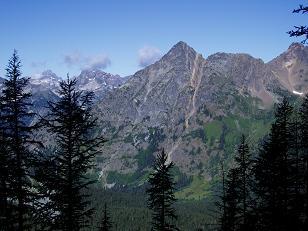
180,52
182,46
49,73
296,46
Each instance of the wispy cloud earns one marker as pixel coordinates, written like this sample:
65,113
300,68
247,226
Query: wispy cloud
98,61
38,64
72,59
148,55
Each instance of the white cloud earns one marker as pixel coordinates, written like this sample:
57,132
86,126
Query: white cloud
98,61
72,59
38,64
148,55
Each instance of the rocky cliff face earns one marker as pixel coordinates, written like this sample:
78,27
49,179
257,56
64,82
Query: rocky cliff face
291,68
193,107
98,81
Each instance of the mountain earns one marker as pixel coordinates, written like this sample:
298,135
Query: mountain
98,81
194,108
88,80
45,86
291,68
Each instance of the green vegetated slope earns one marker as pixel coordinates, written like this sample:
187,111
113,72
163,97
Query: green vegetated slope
220,135
223,135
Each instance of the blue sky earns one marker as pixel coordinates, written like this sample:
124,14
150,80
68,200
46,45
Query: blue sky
123,36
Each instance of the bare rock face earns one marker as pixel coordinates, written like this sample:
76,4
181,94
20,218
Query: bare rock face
192,107
291,68
98,81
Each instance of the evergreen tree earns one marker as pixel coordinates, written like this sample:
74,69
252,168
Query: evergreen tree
296,175
106,224
272,175
243,170
221,204
231,201
15,116
161,194
4,183
303,172
71,123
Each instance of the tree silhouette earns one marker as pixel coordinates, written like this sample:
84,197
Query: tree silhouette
231,201
242,168
161,194
5,164
106,224
304,158
300,31
15,116
71,122
222,203
272,175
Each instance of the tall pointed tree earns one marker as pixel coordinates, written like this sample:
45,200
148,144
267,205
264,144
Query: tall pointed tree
106,224
15,116
296,175
231,202
71,123
272,175
5,173
304,157
161,194
243,170
222,202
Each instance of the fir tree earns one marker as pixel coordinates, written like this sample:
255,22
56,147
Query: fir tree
243,169
228,201
296,175
4,183
272,175
15,116
303,172
231,201
106,224
221,204
72,124
161,195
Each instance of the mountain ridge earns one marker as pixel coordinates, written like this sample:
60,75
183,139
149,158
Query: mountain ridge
174,102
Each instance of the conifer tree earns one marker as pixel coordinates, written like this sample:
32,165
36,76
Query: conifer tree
161,195
303,172
222,204
272,175
15,116
243,169
4,183
231,202
106,224
71,123
296,175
